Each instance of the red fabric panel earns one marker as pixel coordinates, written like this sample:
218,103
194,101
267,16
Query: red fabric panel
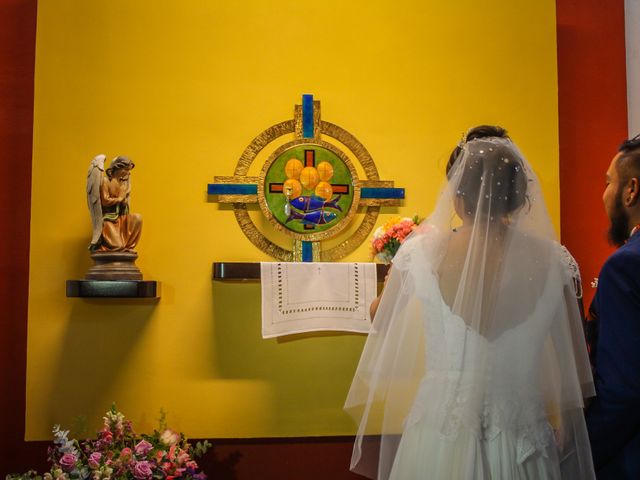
593,122
17,59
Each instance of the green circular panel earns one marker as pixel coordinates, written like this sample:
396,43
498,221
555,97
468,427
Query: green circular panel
309,213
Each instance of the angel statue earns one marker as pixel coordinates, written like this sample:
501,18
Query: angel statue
115,231
114,228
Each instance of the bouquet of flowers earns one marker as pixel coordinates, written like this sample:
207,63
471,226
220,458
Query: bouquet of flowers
118,453
387,239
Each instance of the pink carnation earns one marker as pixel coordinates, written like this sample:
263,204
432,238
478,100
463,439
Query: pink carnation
386,239
172,452
107,436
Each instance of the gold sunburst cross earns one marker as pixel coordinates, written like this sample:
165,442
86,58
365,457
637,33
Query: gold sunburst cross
308,188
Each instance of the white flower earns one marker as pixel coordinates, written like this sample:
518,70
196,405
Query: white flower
62,442
169,437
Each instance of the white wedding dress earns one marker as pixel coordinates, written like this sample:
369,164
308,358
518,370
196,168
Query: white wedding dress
478,430
476,366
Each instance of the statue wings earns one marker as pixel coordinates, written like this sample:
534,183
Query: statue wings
94,183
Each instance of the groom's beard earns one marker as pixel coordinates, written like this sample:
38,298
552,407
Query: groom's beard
619,229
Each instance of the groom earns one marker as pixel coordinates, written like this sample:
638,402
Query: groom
613,419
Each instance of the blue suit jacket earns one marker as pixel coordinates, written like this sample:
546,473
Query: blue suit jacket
613,419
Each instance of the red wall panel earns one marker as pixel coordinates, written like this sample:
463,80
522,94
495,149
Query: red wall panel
593,122
17,54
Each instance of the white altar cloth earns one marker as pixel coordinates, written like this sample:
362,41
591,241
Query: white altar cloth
314,296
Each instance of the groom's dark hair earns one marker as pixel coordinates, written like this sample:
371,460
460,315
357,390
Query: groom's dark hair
628,164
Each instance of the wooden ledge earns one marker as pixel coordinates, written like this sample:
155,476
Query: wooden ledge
250,271
112,288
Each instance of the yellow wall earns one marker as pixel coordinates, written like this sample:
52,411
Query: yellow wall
182,87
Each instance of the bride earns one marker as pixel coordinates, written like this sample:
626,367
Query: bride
475,366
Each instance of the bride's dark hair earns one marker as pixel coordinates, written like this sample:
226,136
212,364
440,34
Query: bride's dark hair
481,131
499,165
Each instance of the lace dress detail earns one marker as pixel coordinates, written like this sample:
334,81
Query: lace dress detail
572,268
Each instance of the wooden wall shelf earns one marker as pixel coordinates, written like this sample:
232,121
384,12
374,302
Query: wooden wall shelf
112,288
250,271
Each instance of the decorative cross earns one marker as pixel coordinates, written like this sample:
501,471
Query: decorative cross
307,129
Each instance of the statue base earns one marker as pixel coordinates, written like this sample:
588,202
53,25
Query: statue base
114,266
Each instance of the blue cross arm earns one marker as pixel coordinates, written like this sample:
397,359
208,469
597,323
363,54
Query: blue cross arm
380,193
236,189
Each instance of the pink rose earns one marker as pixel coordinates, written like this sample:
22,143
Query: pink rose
143,447
142,470
68,462
94,460
182,457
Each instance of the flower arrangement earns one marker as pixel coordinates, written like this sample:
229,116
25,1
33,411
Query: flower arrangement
387,239
118,453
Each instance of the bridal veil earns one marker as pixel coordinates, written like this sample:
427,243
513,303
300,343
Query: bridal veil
477,337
